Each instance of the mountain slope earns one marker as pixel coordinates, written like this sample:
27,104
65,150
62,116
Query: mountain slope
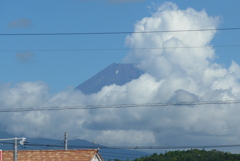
118,74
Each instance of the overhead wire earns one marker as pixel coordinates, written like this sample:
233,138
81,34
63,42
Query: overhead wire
34,146
119,106
113,155
125,105
104,146
116,49
129,147
141,147
114,33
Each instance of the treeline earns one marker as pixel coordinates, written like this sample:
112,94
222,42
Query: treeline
192,155
189,155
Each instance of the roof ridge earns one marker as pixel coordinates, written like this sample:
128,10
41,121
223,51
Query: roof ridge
57,150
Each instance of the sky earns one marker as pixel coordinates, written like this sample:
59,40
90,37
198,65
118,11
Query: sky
43,70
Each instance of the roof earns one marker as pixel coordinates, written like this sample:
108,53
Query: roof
54,155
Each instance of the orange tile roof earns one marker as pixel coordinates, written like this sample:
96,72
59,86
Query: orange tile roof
52,155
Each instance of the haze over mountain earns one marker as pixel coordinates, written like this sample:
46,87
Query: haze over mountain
118,74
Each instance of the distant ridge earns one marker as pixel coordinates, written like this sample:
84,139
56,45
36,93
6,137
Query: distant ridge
118,74
50,144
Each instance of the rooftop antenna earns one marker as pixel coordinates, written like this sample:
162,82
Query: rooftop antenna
15,147
65,141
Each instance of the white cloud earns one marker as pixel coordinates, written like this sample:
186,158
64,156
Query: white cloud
172,75
169,18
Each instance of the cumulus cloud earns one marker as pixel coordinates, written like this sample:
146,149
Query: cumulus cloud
171,75
20,23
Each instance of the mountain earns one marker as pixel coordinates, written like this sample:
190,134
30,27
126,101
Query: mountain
48,144
118,74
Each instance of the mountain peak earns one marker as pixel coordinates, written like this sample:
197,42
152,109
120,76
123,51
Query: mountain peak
118,74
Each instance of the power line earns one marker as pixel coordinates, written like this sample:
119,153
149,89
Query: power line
81,147
134,147
142,147
35,146
119,106
115,49
112,155
114,33
162,147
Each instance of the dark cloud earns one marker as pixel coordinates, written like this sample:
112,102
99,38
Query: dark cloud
20,23
183,96
24,57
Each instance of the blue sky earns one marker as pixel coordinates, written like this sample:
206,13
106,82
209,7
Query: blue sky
34,78
64,69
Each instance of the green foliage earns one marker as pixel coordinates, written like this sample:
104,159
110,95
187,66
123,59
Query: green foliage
192,155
